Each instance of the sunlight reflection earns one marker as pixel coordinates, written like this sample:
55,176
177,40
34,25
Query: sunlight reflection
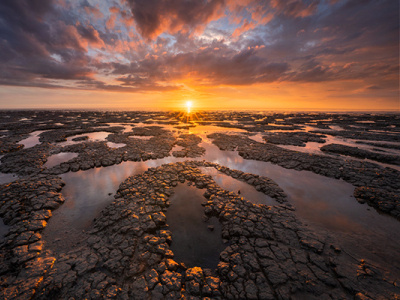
189,106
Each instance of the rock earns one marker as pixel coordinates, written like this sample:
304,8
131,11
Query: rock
171,264
171,280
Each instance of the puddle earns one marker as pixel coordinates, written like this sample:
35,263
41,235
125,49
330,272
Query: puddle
115,145
127,127
32,140
86,193
99,136
141,137
208,129
336,127
311,147
300,186
365,122
7,178
192,242
257,137
177,148
59,158
234,185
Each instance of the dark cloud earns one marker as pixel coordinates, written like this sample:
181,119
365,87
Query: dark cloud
346,41
311,71
21,30
210,66
37,44
153,17
134,82
295,8
89,33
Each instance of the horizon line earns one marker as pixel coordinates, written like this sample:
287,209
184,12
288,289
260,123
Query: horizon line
205,109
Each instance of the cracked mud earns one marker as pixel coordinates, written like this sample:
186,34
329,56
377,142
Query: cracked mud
165,224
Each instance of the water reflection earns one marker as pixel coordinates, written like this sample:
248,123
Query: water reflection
99,136
141,137
336,127
325,204
242,188
7,178
59,158
177,148
86,193
115,145
127,127
32,140
258,137
192,241
311,147
208,129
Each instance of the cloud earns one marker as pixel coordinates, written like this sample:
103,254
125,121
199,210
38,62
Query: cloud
247,25
95,11
149,45
90,35
374,87
311,71
295,8
154,17
37,43
203,67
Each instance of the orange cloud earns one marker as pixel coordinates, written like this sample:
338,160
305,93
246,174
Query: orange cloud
247,25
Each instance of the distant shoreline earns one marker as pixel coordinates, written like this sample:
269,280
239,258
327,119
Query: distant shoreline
329,111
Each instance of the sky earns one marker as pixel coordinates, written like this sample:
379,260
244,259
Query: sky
219,54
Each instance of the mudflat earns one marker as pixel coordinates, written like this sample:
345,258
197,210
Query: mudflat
218,205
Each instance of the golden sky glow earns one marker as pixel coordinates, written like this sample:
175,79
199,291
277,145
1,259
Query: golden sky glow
283,97
219,54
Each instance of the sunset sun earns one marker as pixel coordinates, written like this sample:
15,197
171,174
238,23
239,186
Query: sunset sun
189,105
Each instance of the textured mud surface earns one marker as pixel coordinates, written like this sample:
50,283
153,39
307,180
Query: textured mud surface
125,251
360,153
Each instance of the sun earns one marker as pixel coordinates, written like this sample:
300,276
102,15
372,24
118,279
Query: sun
188,106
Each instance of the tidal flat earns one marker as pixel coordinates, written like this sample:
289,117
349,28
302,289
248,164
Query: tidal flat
201,205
